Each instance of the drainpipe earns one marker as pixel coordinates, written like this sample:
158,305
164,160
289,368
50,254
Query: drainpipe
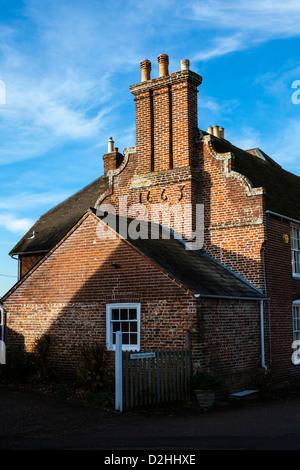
2,335
263,364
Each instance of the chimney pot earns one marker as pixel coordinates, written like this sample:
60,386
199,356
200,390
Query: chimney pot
110,145
116,149
145,69
185,64
216,131
210,130
221,132
163,62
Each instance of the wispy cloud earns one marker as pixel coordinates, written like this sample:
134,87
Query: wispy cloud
28,200
240,25
15,206
52,110
270,17
57,89
15,224
221,46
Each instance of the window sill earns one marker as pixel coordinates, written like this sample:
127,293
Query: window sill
124,348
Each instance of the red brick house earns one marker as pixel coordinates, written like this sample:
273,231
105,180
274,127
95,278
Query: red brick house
228,272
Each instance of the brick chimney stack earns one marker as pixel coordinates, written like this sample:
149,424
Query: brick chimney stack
112,159
166,117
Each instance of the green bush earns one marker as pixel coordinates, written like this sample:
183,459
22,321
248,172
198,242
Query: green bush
264,379
105,399
42,351
205,380
93,369
20,366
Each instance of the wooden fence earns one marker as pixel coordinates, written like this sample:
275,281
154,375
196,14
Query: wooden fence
156,376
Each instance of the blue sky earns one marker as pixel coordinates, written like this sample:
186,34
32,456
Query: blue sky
66,68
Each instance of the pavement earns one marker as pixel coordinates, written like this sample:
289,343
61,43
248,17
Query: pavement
35,421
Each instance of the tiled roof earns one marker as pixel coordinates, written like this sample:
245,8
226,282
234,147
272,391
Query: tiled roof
51,227
194,269
282,189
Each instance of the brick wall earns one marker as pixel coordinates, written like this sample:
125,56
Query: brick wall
228,340
282,289
66,296
171,166
233,211
234,216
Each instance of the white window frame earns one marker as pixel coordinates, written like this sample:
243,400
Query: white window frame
296,320
295,247
110,321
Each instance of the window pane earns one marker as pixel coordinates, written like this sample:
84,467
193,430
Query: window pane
125,327
125,338
133,326
297,336
296,318
296,321
297,262
133,338
293,238
297,240
124,314
116,326
115,314
132,314
295,244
